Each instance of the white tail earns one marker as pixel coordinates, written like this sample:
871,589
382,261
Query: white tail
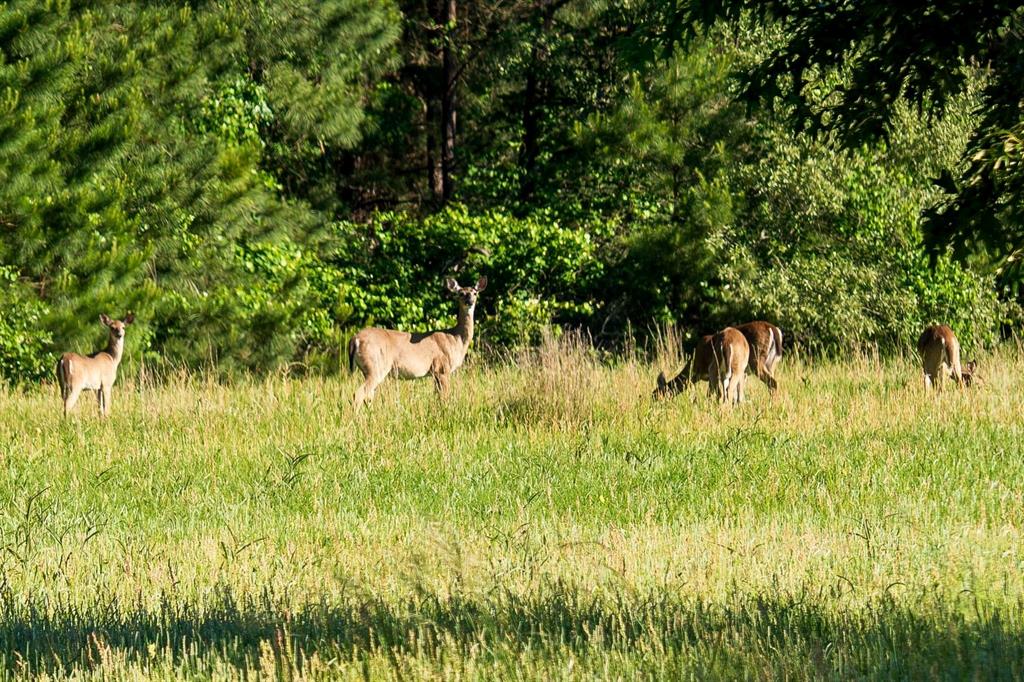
379,352
96,372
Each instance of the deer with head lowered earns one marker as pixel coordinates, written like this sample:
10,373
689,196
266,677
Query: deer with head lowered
940,356
96,372
379,352
765,342
730,353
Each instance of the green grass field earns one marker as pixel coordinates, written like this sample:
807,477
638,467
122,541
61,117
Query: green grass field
549,521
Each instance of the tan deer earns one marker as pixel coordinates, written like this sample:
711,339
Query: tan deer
730,354
97,372
940,356
379,352
765,342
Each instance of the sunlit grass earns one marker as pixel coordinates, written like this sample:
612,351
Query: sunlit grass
549,520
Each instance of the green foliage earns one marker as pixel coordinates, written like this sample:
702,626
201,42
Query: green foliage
235,113
849,68
538,272
833,251
136,164
24,339
258,180
755,222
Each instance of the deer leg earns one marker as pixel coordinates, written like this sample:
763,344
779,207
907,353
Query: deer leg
105,393
71,399
441,377
728,387
765,374
933,369
367,390
360,396
714,385
99,401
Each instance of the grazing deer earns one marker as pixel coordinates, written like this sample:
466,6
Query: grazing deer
696,370
940,356
379,352
730,354
765,342
97,372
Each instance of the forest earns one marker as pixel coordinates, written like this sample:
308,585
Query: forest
258,180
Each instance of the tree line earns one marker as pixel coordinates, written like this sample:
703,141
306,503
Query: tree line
257,180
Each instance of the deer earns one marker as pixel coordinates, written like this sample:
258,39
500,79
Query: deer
379,352
765,342
96,372
697,369
730,355
940,356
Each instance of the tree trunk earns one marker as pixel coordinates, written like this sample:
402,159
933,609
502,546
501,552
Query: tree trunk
448,102
532,99
531,130
434,175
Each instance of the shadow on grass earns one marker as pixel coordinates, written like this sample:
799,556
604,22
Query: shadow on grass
659,633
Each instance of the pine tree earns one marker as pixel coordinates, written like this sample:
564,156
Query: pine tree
119,187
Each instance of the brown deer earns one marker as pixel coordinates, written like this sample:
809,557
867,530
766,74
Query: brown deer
765,341
697,369
940,356
730,354
379,352
96,372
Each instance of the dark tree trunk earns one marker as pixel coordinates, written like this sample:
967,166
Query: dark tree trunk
434,174
531,130
448,100
532,102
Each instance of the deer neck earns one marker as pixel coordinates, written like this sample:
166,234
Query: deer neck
680,382
464,327
115,347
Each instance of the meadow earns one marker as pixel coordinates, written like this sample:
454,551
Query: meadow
549,521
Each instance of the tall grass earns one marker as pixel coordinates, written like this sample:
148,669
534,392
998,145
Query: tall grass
549,520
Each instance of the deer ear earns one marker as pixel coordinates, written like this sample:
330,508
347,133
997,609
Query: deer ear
451,284
972,366
481,283
129,318
105,319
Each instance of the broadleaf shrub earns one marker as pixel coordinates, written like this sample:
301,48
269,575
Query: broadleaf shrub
539,272
24,339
